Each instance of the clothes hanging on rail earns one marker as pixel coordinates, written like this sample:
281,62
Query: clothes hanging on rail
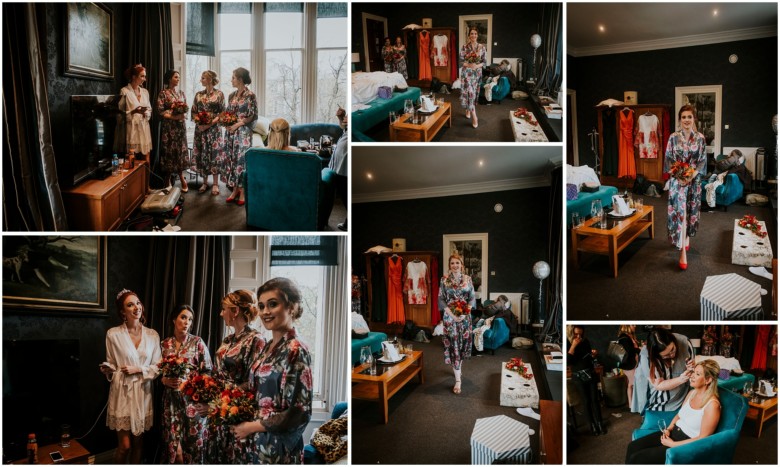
395,297
647,136
626,164
416,283
441,50
424,39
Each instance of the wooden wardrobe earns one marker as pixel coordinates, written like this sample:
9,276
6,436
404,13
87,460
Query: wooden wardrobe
443,73
652,169
420,314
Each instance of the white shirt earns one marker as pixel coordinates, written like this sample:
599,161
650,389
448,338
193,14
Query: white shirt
690,418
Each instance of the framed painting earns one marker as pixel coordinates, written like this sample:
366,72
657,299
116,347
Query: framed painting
55,273
484,24
89,41
473,248
708,101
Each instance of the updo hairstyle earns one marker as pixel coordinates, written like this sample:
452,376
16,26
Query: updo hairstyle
289,292
245,301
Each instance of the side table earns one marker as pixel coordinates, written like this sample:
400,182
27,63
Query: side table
74,454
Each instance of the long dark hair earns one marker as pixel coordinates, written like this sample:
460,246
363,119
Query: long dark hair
658,340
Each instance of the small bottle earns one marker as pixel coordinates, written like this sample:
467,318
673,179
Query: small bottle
32,449
115,165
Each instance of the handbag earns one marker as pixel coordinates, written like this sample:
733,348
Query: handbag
385,92
617,352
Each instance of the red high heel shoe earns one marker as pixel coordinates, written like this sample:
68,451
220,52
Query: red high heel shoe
683,266
240,202
229,199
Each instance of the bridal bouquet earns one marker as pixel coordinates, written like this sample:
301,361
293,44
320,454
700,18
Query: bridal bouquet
472,57
201,388
523,114
173,366
751,223
227,118
459,307
682,170
202,118
516,364
234,406
179,108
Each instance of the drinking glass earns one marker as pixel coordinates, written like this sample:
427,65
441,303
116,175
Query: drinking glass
638,204
365,354
576,220
747,389
595,208
65,436
408,106
371,365
392,117
662,425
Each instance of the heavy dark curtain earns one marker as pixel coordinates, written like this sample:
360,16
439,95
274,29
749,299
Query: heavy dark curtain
554,292
550,75
31,193
200,29
151,45
188,270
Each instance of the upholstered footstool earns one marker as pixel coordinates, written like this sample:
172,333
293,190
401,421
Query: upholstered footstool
517,391
500,438
749,249
730,297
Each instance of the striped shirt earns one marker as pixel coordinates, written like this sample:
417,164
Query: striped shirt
672,399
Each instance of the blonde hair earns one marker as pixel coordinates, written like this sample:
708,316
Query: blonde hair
626,329
245,301
213,76
279,137
711,370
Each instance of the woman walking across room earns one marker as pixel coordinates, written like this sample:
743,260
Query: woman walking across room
132,355
138,112
279,136
473,57
685,161
206,107
172,107
580,362
457,299
182,428
399,57
387,56
243,104
697,419
627,338
281,379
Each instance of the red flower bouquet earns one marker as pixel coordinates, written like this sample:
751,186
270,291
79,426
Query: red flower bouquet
516,364
179,108
472,57
201,388
751,223
396,56
202,118
459,307
388,58
523,114
173,366
682,170
227,118
234,406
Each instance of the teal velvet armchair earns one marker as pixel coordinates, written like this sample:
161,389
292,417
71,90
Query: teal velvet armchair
287,191
717,448
496,336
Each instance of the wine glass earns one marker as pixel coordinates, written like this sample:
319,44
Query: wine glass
595,208
747,389
662,425
365,354
408,106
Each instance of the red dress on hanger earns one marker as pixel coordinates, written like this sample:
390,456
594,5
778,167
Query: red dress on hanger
395,296
425,55
626,164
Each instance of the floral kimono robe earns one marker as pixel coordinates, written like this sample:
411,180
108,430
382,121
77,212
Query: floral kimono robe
233,164
457,335
693,151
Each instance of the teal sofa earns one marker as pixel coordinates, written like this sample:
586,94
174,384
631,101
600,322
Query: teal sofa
717,448
363,120
581,205
287,191
373,340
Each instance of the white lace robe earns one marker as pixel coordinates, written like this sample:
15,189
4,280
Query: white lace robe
139,135
130,396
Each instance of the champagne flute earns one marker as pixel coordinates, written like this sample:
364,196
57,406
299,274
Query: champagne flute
662,426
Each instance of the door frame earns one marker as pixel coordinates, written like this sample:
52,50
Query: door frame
365,16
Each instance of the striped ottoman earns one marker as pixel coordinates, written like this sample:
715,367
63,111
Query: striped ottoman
730,297
500,438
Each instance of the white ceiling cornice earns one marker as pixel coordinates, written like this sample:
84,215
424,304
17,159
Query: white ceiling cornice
453,190
675,42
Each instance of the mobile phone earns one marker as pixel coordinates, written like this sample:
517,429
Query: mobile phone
55,456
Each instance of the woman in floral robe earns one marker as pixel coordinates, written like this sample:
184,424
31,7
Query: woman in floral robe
457,338
281,379
689,146
399,58
173,133
243,104
387,56
183,430
233,362
473,56
208,144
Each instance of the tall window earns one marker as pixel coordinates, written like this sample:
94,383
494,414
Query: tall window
235,42
283,61
196,65
331,60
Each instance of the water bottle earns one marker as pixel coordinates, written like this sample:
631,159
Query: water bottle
32,449
115,165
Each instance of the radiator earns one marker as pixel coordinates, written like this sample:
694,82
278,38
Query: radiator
754,160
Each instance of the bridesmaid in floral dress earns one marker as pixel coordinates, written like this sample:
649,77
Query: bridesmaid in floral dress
457,329
399,57
387,55
173,134
281,379
183,430
473,55
233,364
207,145
243,104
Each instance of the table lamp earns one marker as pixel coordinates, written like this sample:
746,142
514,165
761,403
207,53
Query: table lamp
355,59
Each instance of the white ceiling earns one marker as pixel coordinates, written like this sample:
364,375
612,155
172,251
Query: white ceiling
411,172
633,27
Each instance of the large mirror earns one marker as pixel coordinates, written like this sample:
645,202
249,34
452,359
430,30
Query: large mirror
473,248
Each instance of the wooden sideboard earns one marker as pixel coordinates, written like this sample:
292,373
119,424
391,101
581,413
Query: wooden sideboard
103,205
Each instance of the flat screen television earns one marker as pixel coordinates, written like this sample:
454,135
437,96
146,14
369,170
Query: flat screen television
97,131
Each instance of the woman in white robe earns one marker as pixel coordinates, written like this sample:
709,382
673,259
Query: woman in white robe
132,356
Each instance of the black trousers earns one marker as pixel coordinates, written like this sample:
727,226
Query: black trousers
649,450
590,397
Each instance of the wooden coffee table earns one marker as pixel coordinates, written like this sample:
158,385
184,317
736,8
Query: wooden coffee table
761,412
402,130
388,381
590,238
